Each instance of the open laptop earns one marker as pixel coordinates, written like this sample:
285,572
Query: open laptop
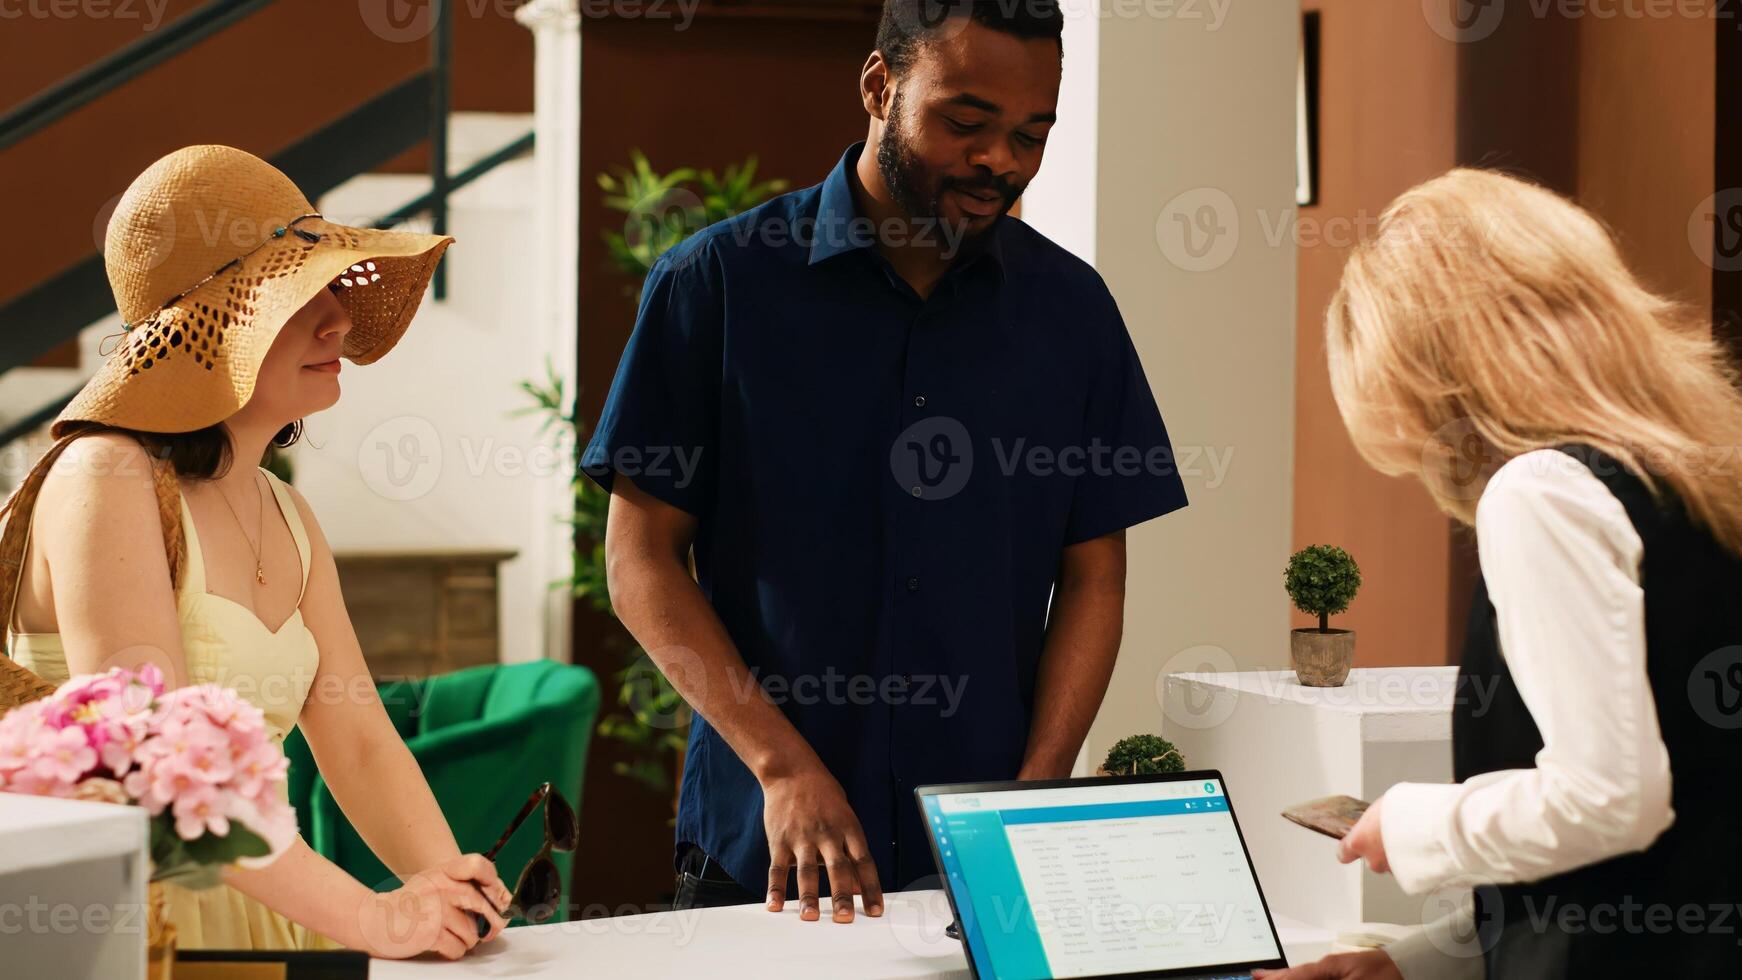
1116,876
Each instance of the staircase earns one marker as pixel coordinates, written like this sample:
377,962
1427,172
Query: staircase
449,396
332,165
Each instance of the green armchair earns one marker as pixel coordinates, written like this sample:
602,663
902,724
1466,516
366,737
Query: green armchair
485,738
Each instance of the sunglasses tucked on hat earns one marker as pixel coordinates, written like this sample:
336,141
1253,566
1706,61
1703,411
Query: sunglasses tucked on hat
209,252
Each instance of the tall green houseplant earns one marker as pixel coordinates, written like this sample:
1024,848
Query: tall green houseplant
660,211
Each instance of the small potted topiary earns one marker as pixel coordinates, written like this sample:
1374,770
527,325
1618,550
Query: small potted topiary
1141,755
1322,580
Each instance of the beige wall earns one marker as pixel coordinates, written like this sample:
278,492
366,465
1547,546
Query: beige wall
1647,90
1615,111
1193,114
1388,101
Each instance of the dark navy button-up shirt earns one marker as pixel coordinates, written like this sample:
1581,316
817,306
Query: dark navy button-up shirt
883,485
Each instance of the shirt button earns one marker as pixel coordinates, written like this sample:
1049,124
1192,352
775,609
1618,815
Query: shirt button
917,491
918,401
913,584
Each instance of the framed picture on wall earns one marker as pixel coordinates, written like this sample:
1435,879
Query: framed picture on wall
1306,136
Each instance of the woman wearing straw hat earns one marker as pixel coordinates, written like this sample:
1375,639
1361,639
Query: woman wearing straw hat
151,544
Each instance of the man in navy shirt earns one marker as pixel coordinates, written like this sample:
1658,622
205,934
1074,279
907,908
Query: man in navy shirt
903,435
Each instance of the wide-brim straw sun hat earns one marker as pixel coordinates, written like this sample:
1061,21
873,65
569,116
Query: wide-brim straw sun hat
209,252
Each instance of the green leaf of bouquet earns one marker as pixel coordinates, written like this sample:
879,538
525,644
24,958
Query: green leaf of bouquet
240,842
193,877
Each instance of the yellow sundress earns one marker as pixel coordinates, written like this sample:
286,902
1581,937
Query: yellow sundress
226,644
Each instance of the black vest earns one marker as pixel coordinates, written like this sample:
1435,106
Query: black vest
1675,907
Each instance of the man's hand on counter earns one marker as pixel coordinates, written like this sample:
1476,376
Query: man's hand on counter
811,827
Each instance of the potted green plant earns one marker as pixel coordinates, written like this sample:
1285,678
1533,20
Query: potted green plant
1322,580
661,210
1141,755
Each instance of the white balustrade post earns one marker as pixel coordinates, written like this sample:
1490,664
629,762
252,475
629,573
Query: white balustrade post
556,26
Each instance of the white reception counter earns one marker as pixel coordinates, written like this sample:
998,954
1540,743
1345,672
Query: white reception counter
1275,742
745,941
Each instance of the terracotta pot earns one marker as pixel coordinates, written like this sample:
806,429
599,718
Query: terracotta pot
1322,659
159,935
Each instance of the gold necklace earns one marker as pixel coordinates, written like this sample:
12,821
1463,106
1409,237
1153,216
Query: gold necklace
259,569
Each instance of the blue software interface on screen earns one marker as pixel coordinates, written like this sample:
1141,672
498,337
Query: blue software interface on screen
1100,880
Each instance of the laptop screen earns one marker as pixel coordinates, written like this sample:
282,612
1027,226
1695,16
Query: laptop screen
1100,878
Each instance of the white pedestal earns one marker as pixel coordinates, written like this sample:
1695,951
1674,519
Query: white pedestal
1278,743
72,889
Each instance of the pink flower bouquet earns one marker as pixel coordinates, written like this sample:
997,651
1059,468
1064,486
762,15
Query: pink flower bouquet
198,759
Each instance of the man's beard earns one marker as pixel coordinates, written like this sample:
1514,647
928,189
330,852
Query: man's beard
905,175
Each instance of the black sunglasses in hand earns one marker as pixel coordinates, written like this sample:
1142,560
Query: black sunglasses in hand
539,886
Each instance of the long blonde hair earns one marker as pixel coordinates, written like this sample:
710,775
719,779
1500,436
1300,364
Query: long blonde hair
1488,317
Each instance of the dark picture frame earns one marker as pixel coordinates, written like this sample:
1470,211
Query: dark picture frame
1306,167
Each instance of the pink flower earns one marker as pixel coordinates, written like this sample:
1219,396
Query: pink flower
17,735
164,775
201,809
122,745
63,755
197,758
139,787
28,782
209,758
258,767
150,677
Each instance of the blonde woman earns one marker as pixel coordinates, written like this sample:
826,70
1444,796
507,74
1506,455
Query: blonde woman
156,537
1490,341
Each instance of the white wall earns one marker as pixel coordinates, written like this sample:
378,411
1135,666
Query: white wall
1193,121
420,451
1061,199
